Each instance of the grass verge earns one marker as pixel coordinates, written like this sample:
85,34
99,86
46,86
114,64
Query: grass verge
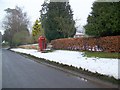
102,54
98,54
72,68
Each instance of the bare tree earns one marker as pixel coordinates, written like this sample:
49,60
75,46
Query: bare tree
15,21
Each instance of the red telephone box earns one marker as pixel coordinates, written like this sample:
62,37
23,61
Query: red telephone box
42,43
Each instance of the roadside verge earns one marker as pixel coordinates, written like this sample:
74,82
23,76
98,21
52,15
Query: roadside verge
83,74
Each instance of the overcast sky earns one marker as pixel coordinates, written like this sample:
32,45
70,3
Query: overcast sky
81,8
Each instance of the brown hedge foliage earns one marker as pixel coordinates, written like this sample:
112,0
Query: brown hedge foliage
106,44
29,47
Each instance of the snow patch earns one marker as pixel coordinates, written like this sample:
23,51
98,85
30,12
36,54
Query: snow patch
105,66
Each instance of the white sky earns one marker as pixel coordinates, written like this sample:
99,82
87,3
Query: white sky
81,8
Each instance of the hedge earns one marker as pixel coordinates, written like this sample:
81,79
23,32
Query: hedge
105,44
29,47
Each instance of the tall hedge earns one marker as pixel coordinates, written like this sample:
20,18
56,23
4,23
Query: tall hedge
105,44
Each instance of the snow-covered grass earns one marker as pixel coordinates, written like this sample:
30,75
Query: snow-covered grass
104,66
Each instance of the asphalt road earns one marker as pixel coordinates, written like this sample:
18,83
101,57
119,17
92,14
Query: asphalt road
20,72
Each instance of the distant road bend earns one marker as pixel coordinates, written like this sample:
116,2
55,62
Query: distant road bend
20,72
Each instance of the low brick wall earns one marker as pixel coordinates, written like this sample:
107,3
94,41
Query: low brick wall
106,44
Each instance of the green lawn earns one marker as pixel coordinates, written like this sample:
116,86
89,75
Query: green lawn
102,54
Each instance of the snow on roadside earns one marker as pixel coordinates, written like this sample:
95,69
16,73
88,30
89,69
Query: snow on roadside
105,66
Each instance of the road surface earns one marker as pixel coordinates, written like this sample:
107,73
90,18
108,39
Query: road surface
20,72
